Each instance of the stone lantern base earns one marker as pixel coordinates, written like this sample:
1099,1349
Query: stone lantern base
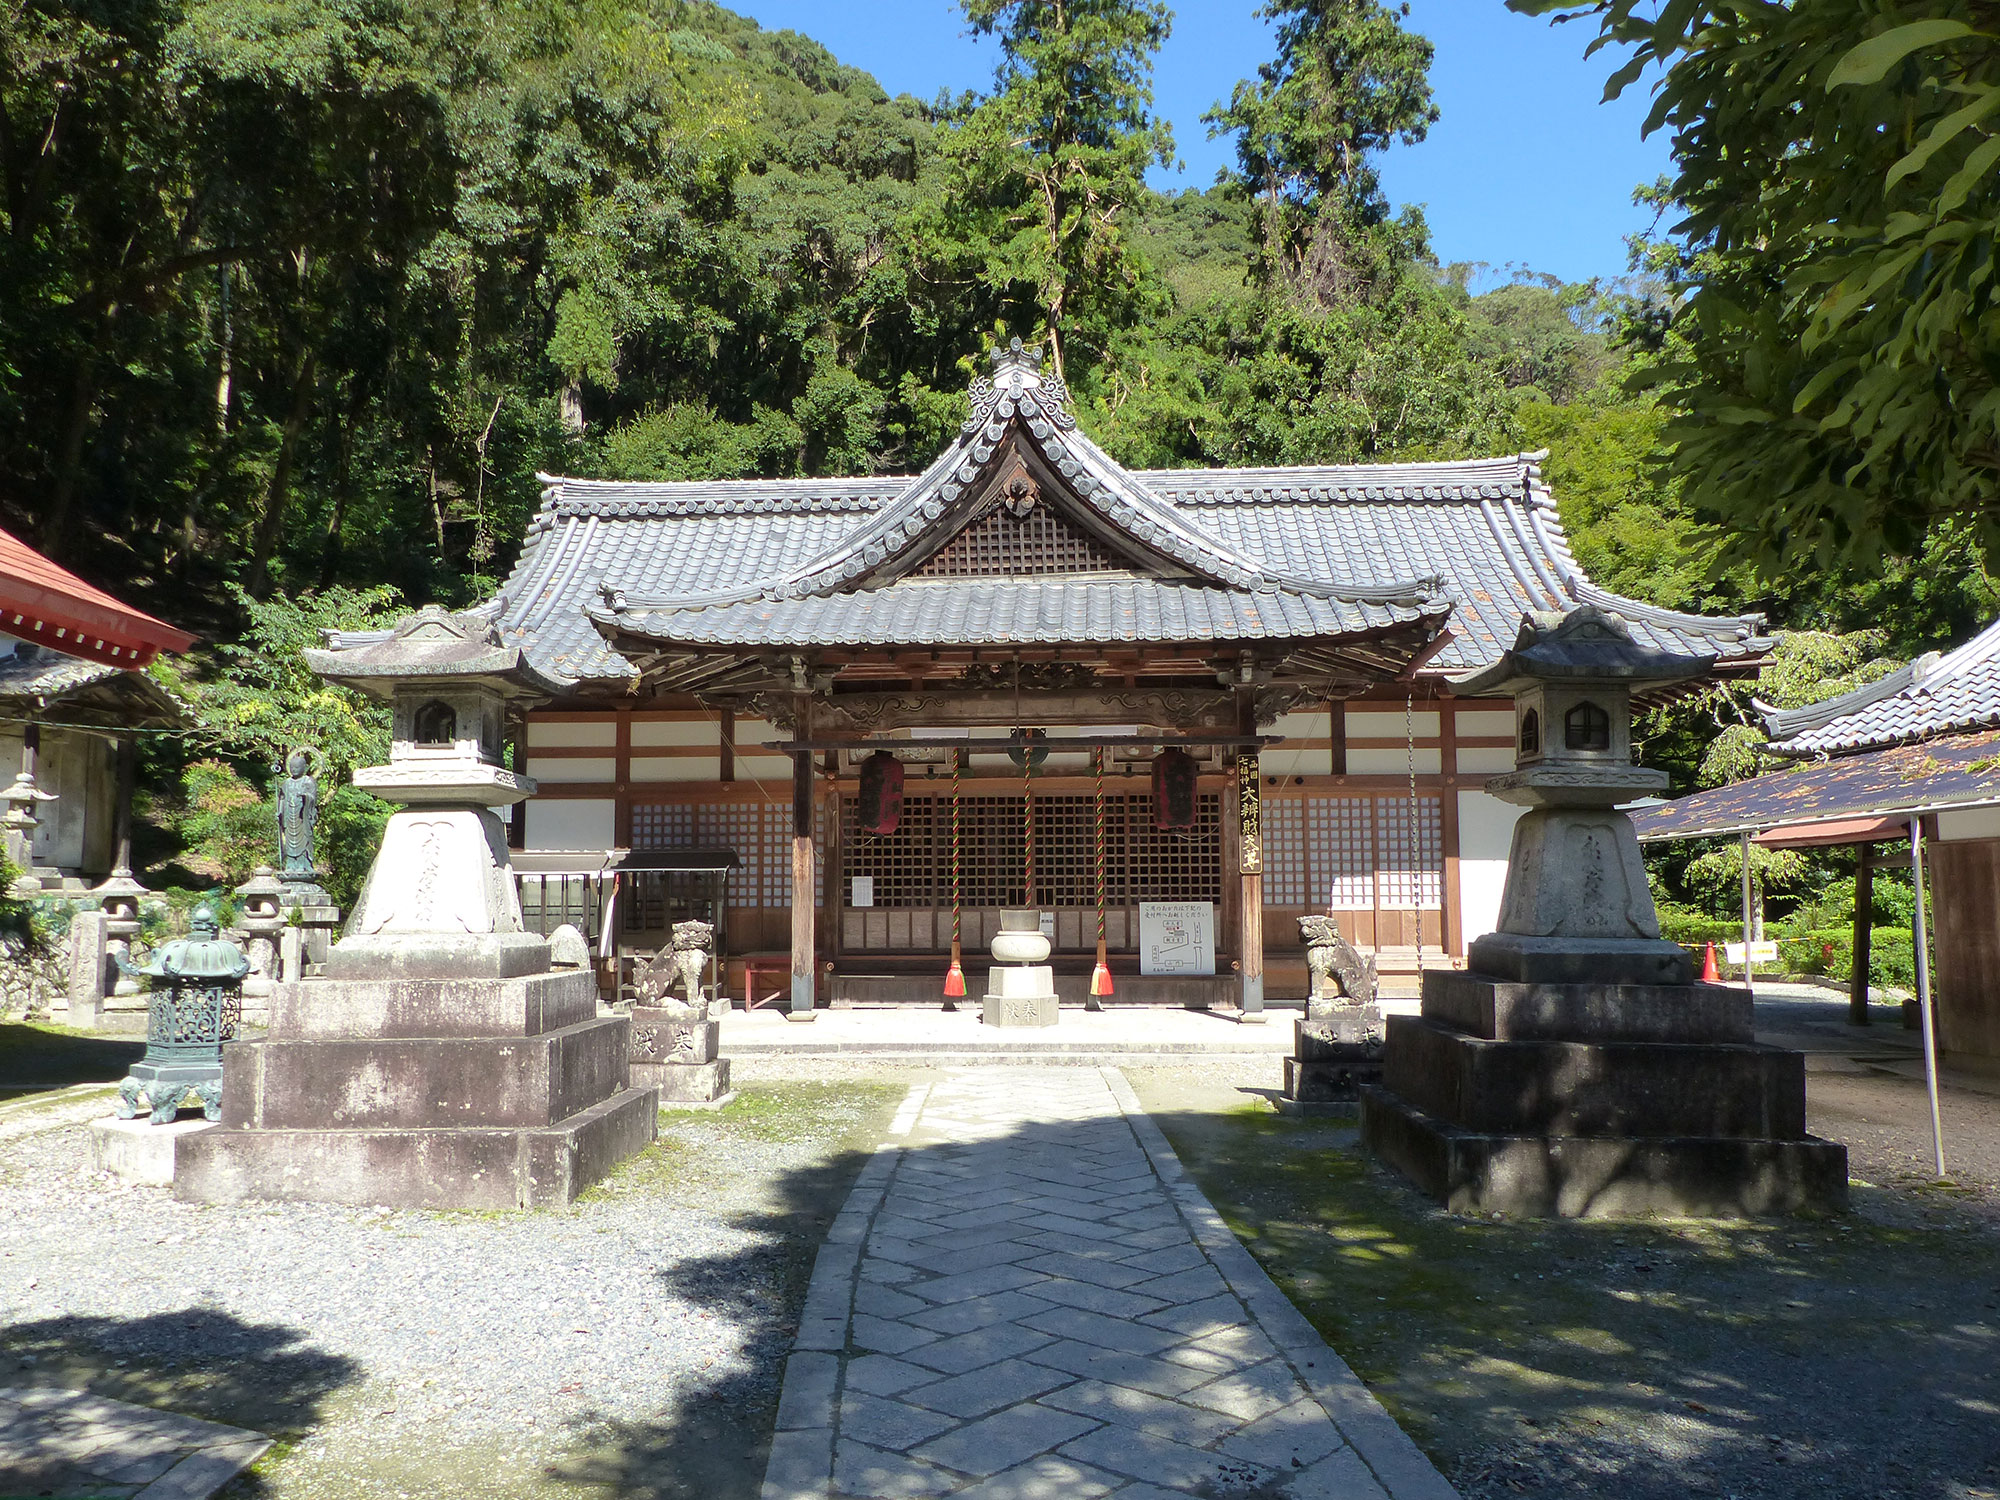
470,1092
1583,1100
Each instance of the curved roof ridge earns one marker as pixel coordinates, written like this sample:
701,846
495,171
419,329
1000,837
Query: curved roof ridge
1927,682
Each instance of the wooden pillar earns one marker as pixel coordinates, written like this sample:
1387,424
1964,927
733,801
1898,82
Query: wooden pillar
1452,938
1864,911
31,752
621,815
1250,862
121,826
804,959
727,766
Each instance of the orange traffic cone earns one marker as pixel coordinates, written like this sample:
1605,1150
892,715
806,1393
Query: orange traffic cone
1710,974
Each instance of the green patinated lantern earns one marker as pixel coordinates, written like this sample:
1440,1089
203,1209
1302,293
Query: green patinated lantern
196,1002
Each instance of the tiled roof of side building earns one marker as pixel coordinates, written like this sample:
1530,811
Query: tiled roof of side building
1935,694
1487,527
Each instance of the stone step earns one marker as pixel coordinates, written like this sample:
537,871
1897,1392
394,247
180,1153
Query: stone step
1505,1011
376,1083
1569,1089
528,1005
543,1167
1535,1176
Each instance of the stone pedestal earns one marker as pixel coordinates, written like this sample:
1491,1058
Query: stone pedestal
438,1093
1020,987
140,1151
1596,1100
1019,995
677,1053
1336,1050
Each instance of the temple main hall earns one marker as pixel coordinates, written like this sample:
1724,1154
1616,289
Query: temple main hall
854,719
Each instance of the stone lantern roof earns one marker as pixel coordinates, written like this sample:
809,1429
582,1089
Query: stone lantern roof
1585,644
435,647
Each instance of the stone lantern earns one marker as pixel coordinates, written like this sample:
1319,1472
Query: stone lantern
18,824
1576,906
440,900
1578,1068
438,1059
195,1005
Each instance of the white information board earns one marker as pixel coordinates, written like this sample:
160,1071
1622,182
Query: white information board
1176,937
864,891
1762,953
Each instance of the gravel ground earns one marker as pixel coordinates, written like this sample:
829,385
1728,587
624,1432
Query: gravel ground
631,1344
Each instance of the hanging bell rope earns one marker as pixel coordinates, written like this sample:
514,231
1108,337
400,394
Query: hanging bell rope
1100,977
1028,817
954,977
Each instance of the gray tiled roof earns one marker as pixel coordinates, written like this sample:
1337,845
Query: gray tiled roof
1272,552
1935,694
32,672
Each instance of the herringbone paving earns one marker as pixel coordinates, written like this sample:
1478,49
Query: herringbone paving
1025,1298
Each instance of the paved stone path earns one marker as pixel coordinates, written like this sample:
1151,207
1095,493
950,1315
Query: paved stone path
62,1443
1026,1298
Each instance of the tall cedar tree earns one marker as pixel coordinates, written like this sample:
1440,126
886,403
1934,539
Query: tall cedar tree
1054,160
1835,365
1347,82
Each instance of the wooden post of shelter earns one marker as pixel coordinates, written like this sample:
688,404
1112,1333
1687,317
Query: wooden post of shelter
1864,909
121,825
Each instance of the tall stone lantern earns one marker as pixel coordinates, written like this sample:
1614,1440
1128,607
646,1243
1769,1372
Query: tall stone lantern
1578,1068
440,901
438,1060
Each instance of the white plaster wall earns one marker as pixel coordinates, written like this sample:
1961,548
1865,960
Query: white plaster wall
562,823
563,769
593,734
1485,835
755,764
1486,723
1395,762
682,732
1297,760
1369,724
677,767
1977,823
1484,760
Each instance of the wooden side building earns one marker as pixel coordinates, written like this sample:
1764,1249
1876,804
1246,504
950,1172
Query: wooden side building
733,653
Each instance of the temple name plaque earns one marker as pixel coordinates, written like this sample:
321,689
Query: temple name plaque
1176,937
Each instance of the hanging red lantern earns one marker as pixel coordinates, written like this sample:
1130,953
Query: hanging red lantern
879,807
1174,790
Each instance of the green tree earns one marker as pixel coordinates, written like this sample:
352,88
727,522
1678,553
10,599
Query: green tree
1836,384
1050,165
1347,82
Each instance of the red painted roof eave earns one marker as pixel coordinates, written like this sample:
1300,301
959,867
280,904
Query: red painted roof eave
40,601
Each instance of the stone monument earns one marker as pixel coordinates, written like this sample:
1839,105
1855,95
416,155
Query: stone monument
1337,1046
439,1061
676,1044
1020,987
1578,1068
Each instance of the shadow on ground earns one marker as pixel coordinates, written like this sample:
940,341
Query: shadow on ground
34,1059
1846,1358
1838,1359
197,1361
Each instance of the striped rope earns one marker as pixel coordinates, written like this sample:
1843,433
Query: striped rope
1098,848
957,761
1028,814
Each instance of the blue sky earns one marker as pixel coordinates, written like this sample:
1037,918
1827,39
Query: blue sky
1525,167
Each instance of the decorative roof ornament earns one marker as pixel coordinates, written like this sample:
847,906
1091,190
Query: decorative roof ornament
1018,383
